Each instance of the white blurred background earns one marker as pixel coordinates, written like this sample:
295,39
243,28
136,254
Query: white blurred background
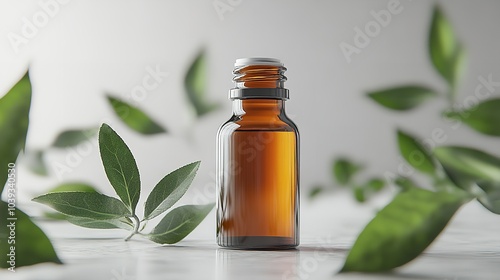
88,48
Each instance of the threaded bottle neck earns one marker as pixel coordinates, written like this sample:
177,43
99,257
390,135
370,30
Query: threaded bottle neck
261,78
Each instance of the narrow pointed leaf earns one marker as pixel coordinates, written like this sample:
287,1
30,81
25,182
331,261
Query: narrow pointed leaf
196,87
32,245
469,162
118,223
457,67
415,154
484,117
402,230
120,166
402,98
179,222
134,118
73,137
315,191
85,204
169,190
14,119
344,170
445,51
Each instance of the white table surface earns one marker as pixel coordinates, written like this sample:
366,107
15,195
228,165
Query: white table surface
469,248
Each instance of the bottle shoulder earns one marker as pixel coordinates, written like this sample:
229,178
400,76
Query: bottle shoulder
245,123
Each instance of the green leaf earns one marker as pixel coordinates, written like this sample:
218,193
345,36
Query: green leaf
459,180
446,53
415,154
35,162
121,223
14,119
457,67
120,166
73,187
484,117
375,184
405,183
359,194
73,137
134,118
32,245
179,222
491,199
469,162
67,187
315,191
54,215
195,84
85,204
344,170
169,190
402,98
402,230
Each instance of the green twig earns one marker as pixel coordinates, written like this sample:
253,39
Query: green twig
136,229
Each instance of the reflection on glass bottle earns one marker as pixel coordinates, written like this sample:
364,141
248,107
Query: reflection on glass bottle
258,162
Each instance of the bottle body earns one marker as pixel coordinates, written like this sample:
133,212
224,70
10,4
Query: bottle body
258,177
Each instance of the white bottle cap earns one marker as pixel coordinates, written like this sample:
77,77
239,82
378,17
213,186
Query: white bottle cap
257,61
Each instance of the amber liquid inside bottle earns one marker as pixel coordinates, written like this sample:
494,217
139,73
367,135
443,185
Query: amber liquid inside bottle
258,181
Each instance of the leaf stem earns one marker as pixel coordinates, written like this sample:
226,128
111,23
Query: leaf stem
136,229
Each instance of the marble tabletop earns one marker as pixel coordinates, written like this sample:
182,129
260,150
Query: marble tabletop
467,249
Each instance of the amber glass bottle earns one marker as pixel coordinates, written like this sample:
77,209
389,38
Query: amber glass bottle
258,162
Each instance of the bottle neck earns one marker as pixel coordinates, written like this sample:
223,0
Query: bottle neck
258,107
259,76
259,82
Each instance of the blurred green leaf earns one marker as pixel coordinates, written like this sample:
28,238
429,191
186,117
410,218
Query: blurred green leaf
469,162
196,86
73,137
359,194
484,117
54,215
405,183
457,67
315,191
446,53
415,154
120,166
85,204
32,245
491,200
402,98
375,184
134,118
458,179
121,223
344,169
73,187
169,190
179,222
14,119
402,230
35,162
